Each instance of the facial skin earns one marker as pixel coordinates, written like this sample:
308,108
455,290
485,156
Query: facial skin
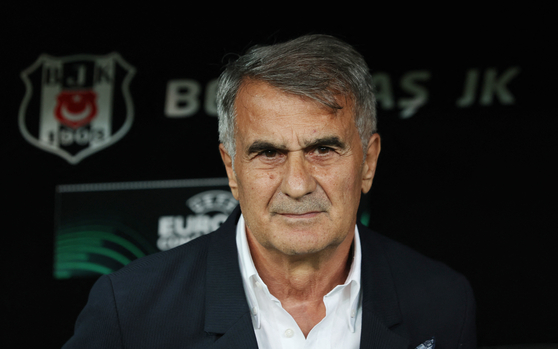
298,171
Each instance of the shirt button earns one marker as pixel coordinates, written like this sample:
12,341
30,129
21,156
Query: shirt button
289,333
353,313
258,284
254,311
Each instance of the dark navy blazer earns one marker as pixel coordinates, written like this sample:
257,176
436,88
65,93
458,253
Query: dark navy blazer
192,297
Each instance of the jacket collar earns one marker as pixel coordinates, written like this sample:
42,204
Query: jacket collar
227,312
380,305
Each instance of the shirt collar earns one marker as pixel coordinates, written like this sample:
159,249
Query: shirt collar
250,275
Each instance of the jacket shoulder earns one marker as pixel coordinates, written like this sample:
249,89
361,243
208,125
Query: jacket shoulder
407,265
181,259
142,304
434,300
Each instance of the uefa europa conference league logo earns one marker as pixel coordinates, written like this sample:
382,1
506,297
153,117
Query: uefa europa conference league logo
76,105
209,208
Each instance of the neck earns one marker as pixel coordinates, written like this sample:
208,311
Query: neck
301,281
302,277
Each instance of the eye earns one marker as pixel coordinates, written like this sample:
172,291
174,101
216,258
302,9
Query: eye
323,150
270,153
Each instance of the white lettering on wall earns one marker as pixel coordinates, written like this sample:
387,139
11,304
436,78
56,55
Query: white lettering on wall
419,93
177,230
184,96
384,91
493,85
409,83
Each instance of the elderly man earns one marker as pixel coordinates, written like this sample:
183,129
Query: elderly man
290,268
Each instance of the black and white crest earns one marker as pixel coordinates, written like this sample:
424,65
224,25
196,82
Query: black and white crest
77,105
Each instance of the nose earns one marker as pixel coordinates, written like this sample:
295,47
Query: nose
297,179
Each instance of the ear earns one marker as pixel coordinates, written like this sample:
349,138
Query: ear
369,167
227,160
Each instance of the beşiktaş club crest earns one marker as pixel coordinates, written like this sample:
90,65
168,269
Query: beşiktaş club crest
77,105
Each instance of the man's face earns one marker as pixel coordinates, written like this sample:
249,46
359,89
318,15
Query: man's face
298,170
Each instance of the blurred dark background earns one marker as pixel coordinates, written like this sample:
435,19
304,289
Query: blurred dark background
467,180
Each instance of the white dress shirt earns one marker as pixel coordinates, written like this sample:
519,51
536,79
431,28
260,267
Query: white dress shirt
275,328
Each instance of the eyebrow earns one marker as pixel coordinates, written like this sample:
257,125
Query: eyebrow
259,146
332,141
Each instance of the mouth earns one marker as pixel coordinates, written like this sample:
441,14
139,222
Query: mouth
305,215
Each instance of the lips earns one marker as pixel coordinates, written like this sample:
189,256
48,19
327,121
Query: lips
300,215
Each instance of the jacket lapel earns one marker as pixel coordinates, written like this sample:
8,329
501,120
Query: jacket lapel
376,335
380,306
227,315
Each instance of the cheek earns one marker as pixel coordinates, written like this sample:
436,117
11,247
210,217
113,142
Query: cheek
258,186
345,184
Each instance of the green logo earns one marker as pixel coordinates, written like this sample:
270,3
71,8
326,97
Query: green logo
90,249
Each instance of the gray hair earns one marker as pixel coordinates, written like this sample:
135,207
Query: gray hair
319,67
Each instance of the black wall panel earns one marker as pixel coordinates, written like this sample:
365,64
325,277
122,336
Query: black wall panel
466,113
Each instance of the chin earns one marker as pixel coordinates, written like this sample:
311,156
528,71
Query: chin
302,247
298,251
